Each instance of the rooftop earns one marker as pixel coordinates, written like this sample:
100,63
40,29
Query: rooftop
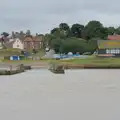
114,37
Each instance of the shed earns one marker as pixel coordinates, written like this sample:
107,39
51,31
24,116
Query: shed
109,47
14,57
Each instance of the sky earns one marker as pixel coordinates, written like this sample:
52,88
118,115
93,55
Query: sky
40,16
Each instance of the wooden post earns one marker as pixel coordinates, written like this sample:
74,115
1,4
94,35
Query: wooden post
10,68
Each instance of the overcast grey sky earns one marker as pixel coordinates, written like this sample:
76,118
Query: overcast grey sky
43,15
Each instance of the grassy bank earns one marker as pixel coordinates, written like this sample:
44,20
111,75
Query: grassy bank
92,61
9,52
96,62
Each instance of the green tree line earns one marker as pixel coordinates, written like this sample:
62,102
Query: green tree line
78,38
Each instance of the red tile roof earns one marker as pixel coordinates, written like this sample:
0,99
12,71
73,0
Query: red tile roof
114,37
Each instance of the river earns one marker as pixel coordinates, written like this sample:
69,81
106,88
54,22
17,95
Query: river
77,95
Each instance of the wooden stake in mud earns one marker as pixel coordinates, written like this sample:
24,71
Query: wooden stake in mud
10,68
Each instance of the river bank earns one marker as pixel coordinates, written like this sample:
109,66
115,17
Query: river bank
12,70
88,63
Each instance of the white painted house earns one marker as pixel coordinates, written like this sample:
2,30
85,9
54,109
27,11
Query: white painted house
18,44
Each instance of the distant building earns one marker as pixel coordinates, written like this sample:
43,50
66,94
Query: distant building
9,45
18,44
33,42
15,43
22,42
109,48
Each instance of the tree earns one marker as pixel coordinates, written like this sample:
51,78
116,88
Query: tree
117,31
55,30
64,26
59,33
5,34
76,30
56,44
47,40
93,29
74,45
111,30
78,45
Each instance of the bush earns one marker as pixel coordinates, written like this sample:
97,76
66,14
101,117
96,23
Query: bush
75,45
7,58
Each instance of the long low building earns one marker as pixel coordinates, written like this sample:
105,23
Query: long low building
109,48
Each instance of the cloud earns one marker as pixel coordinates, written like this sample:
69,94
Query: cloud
43,15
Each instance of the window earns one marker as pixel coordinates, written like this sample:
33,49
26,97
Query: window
108,51
112,51
118,51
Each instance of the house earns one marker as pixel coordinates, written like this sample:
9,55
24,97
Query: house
33,42
18,44
8,45
15,43
109,48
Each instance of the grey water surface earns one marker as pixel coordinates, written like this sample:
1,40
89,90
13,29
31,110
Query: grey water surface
77,95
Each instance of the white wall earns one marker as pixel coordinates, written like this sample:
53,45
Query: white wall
18,44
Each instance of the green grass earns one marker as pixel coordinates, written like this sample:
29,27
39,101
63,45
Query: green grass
40,53
94,61
87,61
9,52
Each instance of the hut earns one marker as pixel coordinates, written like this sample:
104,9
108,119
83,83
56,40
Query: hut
15,57
109,48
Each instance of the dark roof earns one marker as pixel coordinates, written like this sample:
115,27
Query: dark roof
103,44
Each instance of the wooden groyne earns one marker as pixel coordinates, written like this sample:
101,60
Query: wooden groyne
10,70
60,68
57,68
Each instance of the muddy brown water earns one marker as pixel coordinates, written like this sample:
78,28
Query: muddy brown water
77,95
